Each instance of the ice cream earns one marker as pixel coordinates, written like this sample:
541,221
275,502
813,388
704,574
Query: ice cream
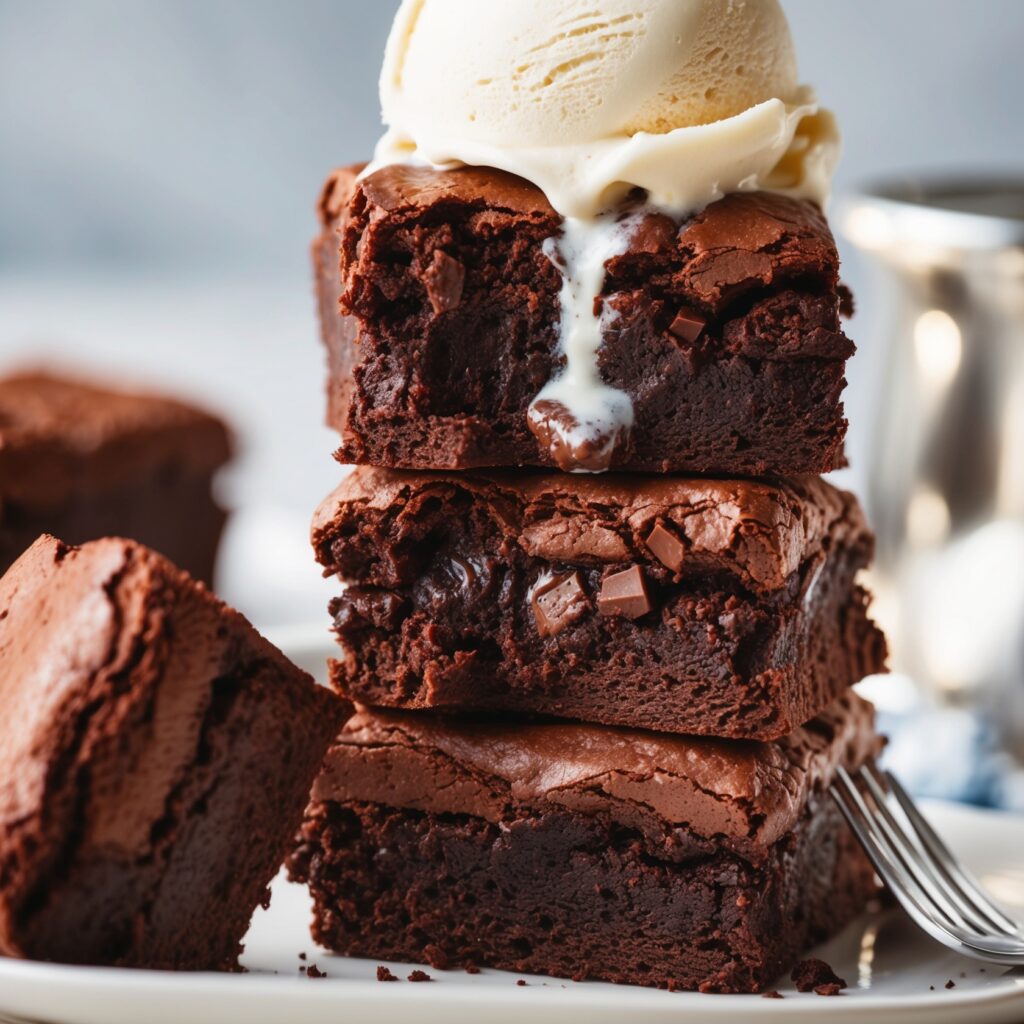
688,99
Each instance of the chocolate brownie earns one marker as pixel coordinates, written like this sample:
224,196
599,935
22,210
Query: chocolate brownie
83,461
718,607
584,851
156,755
440,313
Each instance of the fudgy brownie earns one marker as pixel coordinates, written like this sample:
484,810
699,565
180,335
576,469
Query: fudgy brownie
156,755
82,462
440,313
582,850
690,605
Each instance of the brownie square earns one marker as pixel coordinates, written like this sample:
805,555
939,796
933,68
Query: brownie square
82,462
718,607
440,313
156,755
585,851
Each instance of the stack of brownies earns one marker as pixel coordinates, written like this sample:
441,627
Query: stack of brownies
598,711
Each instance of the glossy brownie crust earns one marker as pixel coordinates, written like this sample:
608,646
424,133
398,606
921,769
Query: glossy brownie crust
689,863
156,755
439,311
724,608
82,462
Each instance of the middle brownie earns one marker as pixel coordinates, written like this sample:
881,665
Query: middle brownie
716,607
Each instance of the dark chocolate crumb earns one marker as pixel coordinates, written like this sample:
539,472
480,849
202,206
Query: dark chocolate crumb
771,995
951,983
302,956
418,975
520,982
312,971
809,975
383,974
472,969
931,988
831,989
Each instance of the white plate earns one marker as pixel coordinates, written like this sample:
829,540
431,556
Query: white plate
895,973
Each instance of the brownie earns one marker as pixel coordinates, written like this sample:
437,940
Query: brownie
82,461
584,851
440,313
156,755
691,605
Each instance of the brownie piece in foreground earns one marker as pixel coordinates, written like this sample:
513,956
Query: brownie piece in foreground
82,462
156,755
718,607
440,313
585,851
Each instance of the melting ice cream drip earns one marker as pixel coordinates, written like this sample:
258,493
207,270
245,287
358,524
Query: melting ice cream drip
576,414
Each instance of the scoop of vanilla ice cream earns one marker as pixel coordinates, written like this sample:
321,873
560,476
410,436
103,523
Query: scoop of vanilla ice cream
538,73
688,99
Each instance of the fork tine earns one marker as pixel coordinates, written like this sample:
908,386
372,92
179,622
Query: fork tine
903,884
899,882
957,874
894,868
929,875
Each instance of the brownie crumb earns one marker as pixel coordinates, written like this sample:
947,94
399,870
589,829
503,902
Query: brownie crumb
831,989
771,995
383,974
312,971
931,988
951,983
302,956
810,975
520,982
420,976
472,969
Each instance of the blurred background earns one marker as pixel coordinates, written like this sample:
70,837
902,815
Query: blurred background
159,164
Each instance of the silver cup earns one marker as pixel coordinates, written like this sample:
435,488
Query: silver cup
946,480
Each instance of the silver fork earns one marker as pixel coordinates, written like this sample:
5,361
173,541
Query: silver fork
940,895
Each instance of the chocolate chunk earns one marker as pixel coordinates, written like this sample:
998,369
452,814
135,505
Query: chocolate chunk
625,593
688,325
419,975
813,974
444,279
558,603
655,233
829,989
951,983
666,547
558,430
312,971
383,974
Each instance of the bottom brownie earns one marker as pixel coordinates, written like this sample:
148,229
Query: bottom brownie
583,851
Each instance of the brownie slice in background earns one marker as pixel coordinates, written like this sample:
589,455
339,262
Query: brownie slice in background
585,851
718,607
440,313
82,461
156,755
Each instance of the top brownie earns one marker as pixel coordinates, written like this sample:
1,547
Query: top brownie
440,312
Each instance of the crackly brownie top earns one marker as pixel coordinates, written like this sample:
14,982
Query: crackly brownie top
59,434
108,655
759,531
745,792
742,243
